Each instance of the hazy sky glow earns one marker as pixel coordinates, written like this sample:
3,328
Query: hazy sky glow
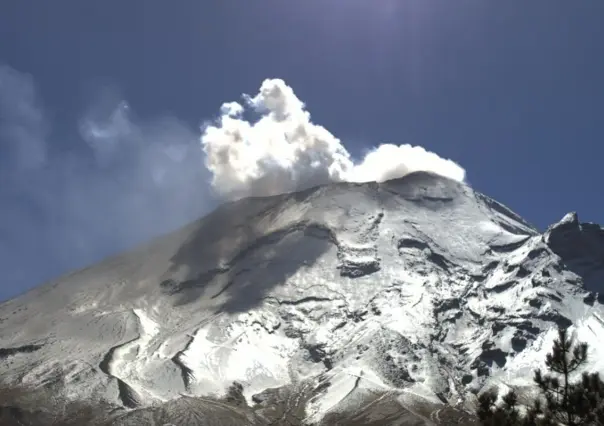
103,104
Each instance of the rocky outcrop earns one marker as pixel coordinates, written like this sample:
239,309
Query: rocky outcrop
581,247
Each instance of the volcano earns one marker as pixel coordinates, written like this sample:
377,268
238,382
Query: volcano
373,303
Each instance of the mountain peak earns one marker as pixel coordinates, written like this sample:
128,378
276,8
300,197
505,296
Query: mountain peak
581,247
570,220
419,288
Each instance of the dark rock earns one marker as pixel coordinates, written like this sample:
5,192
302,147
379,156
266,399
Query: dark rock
535,303
317,352
352,269
519,342
590,299
6,352
522,272
581,247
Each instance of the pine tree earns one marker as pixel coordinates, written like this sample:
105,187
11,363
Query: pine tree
568,403
587,397
562,402
491,414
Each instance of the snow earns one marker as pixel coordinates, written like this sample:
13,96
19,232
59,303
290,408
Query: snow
248,354
418,286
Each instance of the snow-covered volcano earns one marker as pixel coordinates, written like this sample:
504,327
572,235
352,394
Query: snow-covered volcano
418,291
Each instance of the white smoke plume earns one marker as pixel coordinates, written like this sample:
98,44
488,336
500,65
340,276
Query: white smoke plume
285,151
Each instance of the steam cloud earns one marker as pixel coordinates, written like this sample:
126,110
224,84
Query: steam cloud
71,199
284,150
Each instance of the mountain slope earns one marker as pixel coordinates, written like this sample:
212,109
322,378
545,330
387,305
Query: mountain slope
418,291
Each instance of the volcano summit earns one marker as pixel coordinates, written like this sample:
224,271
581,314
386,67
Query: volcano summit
392,302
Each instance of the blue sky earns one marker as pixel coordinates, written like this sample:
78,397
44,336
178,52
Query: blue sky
101,105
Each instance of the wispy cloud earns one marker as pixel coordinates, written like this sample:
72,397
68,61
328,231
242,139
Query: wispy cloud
147,176
129,180
23,127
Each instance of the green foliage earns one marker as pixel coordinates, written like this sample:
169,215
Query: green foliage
566,402
561,402
491,414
